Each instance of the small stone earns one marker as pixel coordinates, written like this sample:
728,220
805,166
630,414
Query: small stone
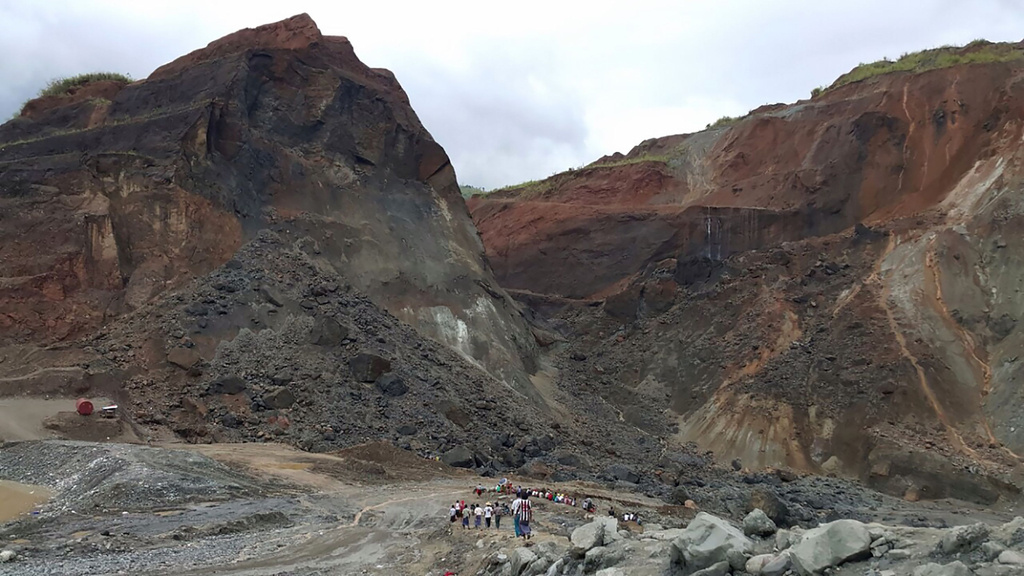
227,385
8,556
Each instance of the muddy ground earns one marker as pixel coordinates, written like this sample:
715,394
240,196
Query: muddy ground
263,509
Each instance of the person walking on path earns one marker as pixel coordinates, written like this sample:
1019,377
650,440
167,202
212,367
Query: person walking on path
516,506
498,512
488,512
465,519
479,513
525,517
451,514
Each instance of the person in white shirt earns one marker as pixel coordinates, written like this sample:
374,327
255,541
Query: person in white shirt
488,512
479,513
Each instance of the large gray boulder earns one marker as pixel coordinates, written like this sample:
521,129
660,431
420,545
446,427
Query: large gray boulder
603,557
520,559
367,367
963,539
709,540
778,566
279,398
830,545
755,565
757,523
459,457
603,530
1011,557
953,569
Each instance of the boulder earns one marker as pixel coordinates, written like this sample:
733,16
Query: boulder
328,332
1010,533
770,504
520,559
271,296
953,569
832,466
1011,557
716,569
392,385
963,539
707,541
990,551
757,563
227,385
459,457
621,472
183,358
603,557
368,367
786,538
830,545
757,523
778,566
8,556
603,530
279,398
680,495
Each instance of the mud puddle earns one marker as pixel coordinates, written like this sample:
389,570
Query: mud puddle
17,499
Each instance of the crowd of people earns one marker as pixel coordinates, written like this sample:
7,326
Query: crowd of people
505,487
483,516
521,511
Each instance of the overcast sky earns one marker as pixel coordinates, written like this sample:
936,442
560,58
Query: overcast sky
519,90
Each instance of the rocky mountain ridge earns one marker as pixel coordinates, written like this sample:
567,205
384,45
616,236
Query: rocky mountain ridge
831,285
113,196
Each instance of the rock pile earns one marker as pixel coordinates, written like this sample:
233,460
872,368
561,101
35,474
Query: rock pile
712,546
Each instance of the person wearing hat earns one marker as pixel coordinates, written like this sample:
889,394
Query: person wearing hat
488,512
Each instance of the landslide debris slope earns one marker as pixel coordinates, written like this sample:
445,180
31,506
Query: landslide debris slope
833,285
260,240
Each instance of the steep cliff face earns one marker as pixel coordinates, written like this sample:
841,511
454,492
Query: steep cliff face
114,194
833,284
868,152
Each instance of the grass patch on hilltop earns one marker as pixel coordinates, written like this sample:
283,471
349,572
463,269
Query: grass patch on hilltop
977,52
61,86
626,161
724,121
470,191
517,187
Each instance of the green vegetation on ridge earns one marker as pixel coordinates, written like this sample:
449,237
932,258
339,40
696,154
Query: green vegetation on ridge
977,52
61,86
469,191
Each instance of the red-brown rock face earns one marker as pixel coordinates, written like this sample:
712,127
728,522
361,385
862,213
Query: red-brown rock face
113,195
738,294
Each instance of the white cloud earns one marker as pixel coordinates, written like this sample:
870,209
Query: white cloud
517,91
